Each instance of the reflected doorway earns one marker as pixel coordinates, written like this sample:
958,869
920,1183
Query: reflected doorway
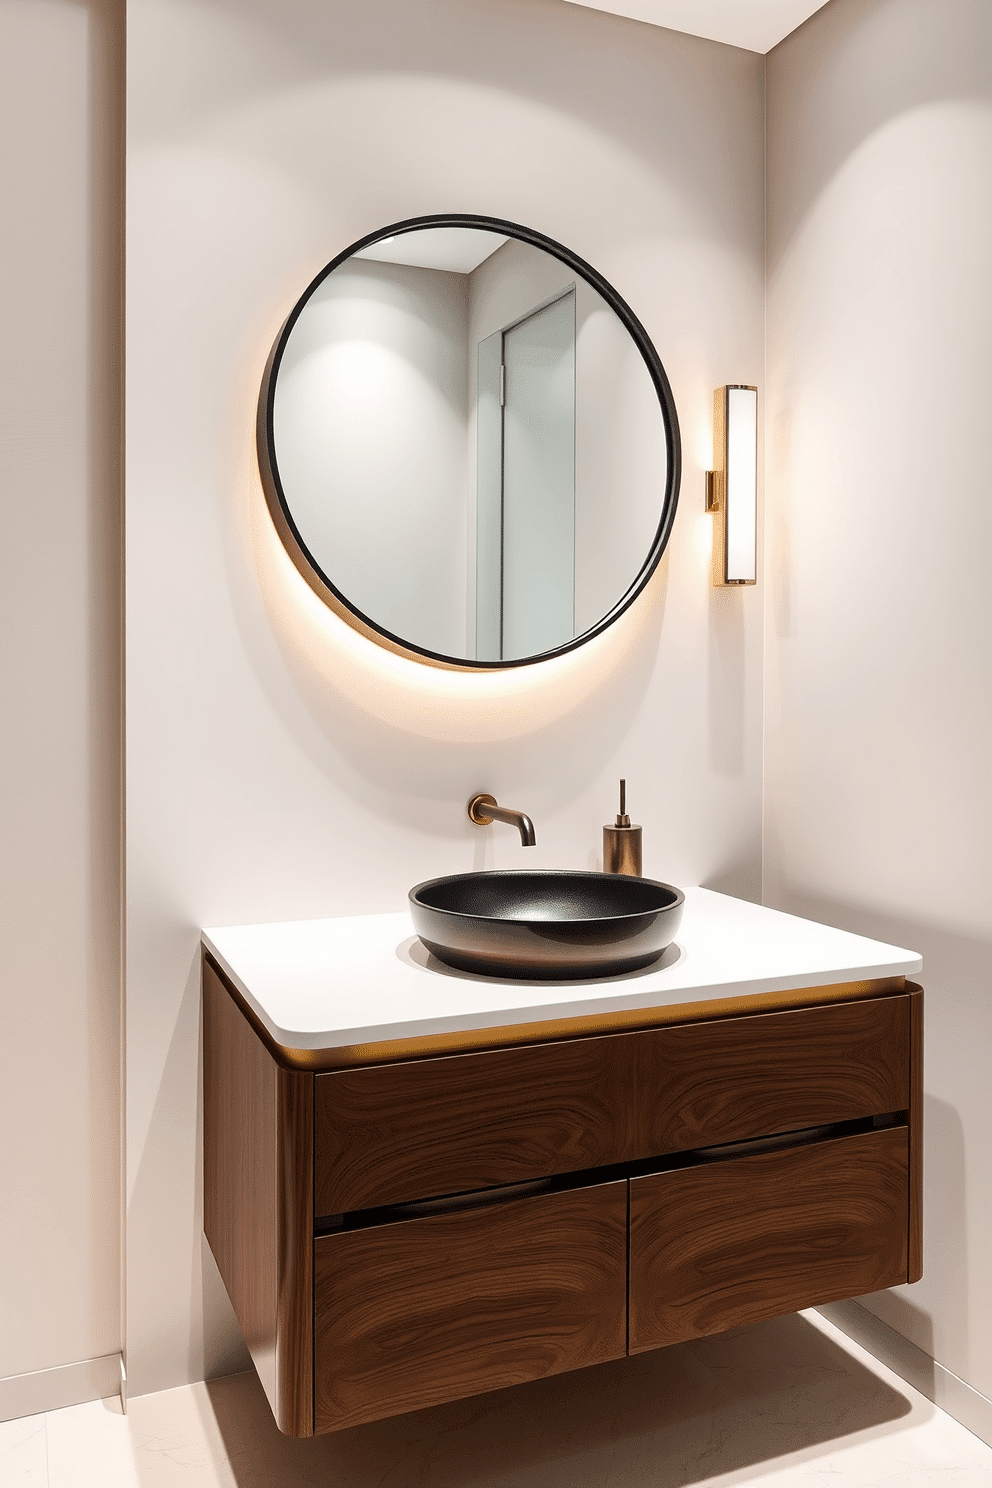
525,532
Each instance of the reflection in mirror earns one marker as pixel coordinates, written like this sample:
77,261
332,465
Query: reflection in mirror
525,476
469,445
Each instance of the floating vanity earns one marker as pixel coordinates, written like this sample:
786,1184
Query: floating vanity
421,1184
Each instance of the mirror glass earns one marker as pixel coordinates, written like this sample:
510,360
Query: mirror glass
468,443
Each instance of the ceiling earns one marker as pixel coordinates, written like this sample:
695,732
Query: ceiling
458,250
757,25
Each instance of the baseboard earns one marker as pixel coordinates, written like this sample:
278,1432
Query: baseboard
99,1379
51,1389
910,1363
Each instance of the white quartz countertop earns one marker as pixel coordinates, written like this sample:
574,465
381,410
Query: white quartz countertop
324,984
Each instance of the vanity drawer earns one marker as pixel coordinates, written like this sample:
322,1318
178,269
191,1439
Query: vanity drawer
422,1311
389,1134
737,1079
747,1238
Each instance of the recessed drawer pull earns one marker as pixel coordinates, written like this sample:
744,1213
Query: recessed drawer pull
782,1141
362,1219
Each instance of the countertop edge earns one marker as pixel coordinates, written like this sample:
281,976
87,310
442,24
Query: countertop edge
719,993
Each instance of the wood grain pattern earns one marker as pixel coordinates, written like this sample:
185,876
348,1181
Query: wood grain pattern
389,1134
368,1323
257,1199
916,1135
239,1192
294,1313
726,1243
708,1083
413,1314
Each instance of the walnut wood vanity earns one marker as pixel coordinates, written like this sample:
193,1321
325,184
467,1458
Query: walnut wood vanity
406,1222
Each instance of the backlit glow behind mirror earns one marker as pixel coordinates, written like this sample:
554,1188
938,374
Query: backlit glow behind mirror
468,444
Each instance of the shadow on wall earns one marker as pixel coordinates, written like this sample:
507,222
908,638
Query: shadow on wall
460,46
155,1259
677,1416
944,1184
916,70
956,980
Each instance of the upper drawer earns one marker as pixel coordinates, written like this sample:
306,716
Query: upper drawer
733,1080
395,1132
387,1134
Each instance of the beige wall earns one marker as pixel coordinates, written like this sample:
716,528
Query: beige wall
878,791
280,769
61,163
278,766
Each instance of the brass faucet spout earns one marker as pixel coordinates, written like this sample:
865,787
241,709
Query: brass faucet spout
483,810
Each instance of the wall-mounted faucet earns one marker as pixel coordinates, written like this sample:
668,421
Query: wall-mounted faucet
483,810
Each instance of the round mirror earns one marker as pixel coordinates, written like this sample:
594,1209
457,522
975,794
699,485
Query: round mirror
468,443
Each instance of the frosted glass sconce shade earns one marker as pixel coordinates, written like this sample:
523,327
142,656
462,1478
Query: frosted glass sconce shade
732,487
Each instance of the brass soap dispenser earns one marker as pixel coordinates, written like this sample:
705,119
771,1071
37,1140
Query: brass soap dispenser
622,843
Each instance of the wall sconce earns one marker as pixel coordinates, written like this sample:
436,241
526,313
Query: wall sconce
732,488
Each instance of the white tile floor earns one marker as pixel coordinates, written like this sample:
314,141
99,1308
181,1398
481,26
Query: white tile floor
786,1404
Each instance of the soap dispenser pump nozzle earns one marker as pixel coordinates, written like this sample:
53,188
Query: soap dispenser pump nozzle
622,842
623,820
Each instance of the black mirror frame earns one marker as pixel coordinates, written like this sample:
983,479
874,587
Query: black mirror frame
286,526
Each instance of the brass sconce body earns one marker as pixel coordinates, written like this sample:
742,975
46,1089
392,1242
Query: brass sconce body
732,486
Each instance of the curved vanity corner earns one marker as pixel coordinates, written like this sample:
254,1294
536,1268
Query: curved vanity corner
389,1145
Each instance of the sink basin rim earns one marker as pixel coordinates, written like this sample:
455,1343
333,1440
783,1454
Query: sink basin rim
563,946
544,875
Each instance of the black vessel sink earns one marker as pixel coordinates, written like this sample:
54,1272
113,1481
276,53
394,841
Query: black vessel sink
547,923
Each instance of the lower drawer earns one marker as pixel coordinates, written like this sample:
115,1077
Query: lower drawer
415,1313
753,1237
